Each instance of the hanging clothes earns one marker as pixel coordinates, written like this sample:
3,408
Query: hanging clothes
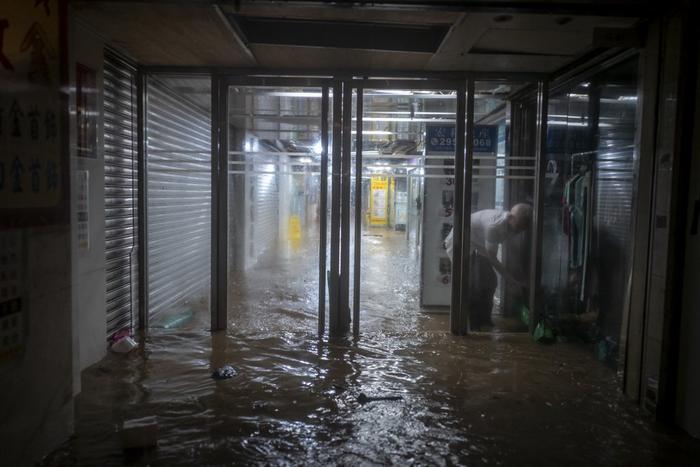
576,223
580,218
567,203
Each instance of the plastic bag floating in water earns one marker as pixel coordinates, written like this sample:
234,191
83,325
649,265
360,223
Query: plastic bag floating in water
124,345
225,372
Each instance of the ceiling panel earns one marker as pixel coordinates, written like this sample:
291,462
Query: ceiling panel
196,34
338,34
519,41
164,34
344,12
497,62
271,56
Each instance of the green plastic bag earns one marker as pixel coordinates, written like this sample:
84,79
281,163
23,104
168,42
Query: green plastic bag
543,334
525,315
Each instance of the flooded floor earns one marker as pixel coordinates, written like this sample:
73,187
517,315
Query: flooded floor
480,400
486,399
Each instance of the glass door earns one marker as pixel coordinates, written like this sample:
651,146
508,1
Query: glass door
406,196
277,144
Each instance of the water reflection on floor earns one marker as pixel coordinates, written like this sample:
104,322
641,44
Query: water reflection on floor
487,399
498,400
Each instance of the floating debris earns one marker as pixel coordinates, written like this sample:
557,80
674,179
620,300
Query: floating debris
225,372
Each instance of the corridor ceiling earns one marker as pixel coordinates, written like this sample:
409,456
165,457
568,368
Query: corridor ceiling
486,36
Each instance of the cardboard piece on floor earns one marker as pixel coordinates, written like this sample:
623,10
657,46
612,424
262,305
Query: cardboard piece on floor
140,433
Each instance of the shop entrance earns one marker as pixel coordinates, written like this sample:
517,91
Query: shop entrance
343,199
276,135
338,199
409,186
327,228
403,181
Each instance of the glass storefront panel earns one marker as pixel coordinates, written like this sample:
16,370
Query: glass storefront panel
274,207
407,185
589,197
502,198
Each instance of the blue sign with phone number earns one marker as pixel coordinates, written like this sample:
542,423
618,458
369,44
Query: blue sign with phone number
442,138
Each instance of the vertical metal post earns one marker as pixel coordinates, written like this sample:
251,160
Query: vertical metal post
346,163
219,204
465,304
538,214
467,209
457,224
633,332
358,218
141,89
323,234
334,284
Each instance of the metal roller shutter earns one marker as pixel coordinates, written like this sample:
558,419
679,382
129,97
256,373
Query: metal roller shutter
120,191
615,179
264,231
179,199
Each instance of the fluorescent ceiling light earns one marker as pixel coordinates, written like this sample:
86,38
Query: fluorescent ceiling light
314,95
405,112
375,132
401,119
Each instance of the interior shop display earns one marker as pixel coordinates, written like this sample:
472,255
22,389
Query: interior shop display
589,192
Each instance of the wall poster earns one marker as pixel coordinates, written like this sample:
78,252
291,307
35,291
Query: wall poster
33,158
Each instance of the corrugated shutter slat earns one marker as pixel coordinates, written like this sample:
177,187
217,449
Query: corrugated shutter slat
120,191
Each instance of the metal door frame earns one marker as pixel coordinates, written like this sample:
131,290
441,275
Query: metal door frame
459,317
220,182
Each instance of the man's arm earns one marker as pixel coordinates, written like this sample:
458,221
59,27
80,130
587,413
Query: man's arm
497,265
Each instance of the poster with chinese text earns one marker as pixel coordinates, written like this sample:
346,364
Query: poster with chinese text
32,151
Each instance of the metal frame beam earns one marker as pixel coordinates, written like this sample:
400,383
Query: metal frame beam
141,87
619,8
334,327
538,211
461,230
219,204
331,73
346,158
323,227
357,277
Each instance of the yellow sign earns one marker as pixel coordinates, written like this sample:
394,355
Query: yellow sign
30,108
294,232
378,200
294,228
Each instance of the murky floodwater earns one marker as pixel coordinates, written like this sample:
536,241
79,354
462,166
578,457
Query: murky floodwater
483,399
488,399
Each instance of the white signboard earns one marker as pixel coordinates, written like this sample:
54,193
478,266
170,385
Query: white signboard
438,207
